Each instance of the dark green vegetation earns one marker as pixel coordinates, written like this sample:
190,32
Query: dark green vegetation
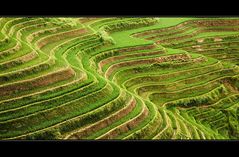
119,78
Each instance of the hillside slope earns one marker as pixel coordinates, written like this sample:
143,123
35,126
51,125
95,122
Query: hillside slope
119,78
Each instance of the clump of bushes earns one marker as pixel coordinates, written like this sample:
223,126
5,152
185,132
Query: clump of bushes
104,55
65,21
233,123
204,99
235,81
98,114
130,24
52,134
4,41
104,37
20,74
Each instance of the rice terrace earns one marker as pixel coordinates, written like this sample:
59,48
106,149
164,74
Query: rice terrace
119,78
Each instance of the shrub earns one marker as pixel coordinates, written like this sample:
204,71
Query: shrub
52,134
200,100
104,37
130,24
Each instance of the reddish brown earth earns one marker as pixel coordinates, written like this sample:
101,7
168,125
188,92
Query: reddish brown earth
19,60
145,61
84,20
127,126
112,59
38,82
104,123
57,37
136,48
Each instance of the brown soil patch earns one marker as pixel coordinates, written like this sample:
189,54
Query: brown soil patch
173,39
144,47
146,61
104,123
19,60
212,46
200,40
115,58
189,24
169,40
207,23
167,34
31,36
38,82
217,39
127,126
85,20
57,37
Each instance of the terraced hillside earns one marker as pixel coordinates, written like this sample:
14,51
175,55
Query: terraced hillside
119,78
